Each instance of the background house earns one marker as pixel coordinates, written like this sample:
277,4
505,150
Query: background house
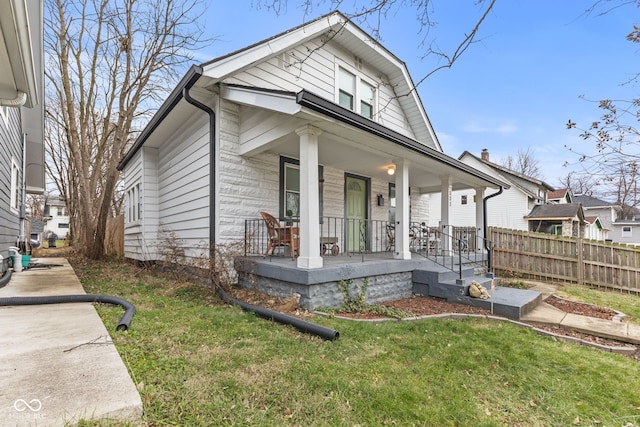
56,217
562,219
21,115
507,210
617,226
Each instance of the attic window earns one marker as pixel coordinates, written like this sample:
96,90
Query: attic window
355,93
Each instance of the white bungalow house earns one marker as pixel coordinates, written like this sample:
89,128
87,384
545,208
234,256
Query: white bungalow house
506,210
320,126
21,117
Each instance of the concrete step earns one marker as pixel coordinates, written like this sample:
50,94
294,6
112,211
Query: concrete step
508,302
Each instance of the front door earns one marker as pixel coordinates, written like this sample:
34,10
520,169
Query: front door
356,202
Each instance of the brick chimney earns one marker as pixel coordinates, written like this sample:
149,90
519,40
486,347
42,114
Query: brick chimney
484,155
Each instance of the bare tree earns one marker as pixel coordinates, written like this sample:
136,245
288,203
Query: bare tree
582,184
613,157
524,163
108,63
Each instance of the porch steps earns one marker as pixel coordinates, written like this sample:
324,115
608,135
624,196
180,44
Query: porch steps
444,283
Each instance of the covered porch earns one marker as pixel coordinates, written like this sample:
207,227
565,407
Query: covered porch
355,179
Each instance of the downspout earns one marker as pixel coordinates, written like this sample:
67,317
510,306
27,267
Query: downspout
486,228
212,161
22,243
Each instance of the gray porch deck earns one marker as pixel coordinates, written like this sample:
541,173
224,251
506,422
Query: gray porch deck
387,279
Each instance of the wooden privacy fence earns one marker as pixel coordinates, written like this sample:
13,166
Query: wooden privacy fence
565,259
114,237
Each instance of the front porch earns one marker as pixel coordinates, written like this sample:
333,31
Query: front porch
387,279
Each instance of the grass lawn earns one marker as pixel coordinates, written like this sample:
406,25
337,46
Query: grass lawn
198,362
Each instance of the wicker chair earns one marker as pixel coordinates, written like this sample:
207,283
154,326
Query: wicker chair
280,236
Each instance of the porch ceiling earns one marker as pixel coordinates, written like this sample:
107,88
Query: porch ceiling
268,123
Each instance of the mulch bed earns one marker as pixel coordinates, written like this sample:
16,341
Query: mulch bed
424,306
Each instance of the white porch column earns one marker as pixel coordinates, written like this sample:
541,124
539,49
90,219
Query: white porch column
309,201
402,210
480,218
445,219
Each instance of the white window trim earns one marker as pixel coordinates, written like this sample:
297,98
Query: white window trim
134,204
627,234
359,77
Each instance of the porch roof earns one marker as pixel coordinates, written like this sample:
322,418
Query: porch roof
346,137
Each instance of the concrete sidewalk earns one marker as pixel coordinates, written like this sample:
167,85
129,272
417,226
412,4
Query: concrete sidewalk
58,364
547,314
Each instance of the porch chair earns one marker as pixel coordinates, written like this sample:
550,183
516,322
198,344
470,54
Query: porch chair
391,237
280,236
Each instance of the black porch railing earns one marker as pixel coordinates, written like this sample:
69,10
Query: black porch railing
338,236
451,247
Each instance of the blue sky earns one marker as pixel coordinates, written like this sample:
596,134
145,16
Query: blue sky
513,89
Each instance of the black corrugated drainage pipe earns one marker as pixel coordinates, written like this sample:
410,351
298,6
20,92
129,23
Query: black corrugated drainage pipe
484,220
6,276
301,325
123,324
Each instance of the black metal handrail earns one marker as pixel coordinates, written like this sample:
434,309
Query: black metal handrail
466,247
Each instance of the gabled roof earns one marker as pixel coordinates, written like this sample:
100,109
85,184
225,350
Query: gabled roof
510,176
556,212
591,202
339,29
560,194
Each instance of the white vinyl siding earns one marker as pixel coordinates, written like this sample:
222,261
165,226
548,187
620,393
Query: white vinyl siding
317,74
183,187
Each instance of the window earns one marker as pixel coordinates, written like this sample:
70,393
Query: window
355,93
134,203
62,211
556,229
626,231
463,199
63,225
392,203
290,188
15,185
346,89
367,93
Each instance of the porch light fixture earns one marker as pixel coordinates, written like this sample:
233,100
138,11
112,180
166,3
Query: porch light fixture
391,169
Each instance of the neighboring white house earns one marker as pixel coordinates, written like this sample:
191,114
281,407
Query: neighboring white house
309,124
56,218
21,116
506,210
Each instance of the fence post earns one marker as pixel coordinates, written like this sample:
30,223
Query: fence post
580,260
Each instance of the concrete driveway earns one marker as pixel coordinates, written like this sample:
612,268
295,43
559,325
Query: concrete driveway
58,364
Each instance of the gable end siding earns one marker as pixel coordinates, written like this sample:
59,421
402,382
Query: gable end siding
316,73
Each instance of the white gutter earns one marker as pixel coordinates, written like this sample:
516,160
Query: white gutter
16,32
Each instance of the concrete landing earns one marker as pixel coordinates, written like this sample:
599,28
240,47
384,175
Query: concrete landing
58,362
507,302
